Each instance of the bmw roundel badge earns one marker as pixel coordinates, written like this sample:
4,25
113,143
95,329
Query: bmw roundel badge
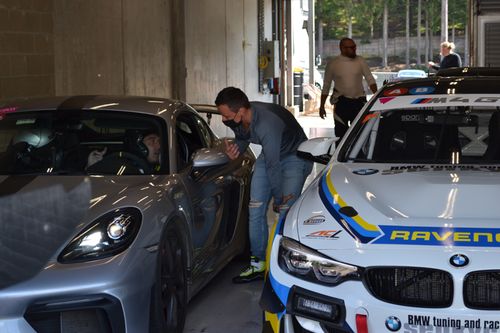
365,172
459,260
393,324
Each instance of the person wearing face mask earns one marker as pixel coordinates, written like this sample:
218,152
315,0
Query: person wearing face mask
278,172
347,71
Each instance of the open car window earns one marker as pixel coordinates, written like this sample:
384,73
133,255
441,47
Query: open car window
55,142
192,133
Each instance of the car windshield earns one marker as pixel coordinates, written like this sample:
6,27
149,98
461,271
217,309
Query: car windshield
428,129
80,142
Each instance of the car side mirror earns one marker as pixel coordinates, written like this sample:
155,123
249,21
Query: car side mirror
209,157
318,150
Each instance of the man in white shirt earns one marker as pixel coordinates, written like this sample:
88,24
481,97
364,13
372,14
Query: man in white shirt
348,97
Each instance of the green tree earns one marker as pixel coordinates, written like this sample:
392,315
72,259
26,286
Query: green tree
366,14
457,17
365,18
331,13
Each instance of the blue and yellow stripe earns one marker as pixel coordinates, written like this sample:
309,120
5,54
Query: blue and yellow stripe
358,228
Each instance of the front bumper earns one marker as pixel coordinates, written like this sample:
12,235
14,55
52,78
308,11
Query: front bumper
327,314
108,295
355,309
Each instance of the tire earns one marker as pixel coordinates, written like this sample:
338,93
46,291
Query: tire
169,297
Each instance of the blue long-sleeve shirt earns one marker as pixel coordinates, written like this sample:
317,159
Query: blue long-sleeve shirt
278,132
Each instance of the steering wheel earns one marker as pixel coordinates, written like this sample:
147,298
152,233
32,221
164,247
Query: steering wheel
23,152
135,160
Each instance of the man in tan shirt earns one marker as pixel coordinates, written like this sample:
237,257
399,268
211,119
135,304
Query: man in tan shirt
348,97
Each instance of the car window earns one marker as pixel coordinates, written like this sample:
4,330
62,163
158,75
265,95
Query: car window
205,132
192,134
436,134
81,142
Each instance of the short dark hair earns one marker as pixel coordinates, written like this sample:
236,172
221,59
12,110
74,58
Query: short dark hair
345,39
233,97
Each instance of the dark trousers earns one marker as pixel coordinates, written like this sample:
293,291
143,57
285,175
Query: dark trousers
346,109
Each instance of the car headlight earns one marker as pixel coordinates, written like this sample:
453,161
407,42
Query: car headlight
107,236
305,263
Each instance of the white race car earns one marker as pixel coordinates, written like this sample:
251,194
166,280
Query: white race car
401,230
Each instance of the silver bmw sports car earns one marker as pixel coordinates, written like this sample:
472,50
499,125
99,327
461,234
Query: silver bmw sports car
114,212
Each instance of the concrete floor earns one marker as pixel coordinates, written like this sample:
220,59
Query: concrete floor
226,307
234,308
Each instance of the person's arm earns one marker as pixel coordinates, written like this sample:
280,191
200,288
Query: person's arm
325,91
231,149
433,65
270,134
234,149
451,60
368,76
95,156
322,111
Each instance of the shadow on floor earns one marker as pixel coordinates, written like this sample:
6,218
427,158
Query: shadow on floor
226,307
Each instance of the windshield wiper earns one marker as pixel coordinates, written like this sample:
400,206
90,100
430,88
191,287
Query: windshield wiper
367,160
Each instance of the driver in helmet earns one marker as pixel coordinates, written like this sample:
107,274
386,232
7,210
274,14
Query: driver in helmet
152,142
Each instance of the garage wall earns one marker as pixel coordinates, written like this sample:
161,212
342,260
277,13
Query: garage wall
112,47
147,47
88,47
221,48
205,56
187,49
26,49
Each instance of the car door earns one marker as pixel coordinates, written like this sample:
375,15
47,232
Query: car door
206,190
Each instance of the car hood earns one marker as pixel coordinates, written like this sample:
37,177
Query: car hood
39,215
359,206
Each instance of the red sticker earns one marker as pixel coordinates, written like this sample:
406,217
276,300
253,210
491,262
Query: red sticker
384,100
4,111
396,92
369,116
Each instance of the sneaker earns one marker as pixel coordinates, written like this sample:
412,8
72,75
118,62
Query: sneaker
253,272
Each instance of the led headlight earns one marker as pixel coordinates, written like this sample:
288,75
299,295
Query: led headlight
308,264
107,236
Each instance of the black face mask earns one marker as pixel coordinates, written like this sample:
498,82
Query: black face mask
231,123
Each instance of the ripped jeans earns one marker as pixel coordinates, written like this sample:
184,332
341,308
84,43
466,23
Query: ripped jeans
294,173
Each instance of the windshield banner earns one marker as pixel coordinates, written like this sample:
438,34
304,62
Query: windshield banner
424,101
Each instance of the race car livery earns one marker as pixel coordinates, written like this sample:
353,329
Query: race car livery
400,232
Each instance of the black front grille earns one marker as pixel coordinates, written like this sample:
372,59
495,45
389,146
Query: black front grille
410,286
86,314
78,321
482,290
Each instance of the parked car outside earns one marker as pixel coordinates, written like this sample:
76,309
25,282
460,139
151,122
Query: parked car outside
411,73
400,231
123,243
318,77
407,74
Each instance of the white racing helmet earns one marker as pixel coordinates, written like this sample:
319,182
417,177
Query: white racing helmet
34,137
